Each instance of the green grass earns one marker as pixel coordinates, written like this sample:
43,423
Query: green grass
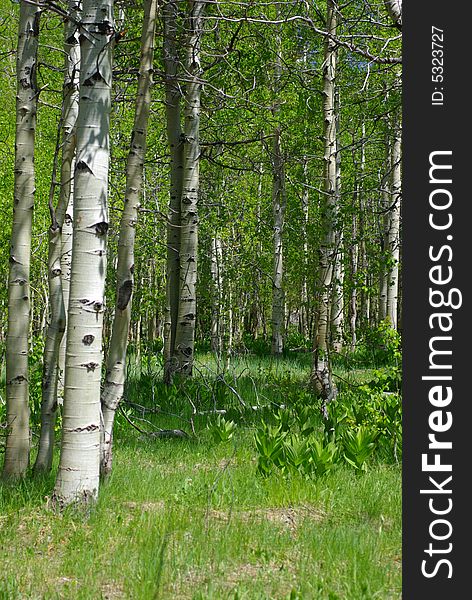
187,518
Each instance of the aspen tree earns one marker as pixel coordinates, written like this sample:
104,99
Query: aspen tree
321,372
337,307
173,94
216,296
279,203
304,291
17,446
78,475
58,245
66,198
116,361
393,240
384,232
186,317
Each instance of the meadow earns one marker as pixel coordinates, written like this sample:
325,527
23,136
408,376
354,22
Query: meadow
198,516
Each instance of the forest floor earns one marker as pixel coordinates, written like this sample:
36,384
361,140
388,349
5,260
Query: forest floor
192,518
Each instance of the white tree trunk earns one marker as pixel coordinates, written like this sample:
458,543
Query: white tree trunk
337,309
321,373
71,111
78,475
394,230
175,141
186,318
216,295
304,291
279,202
18,433
278,210
116,363
55,334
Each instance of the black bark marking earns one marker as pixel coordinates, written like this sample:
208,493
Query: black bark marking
101,228
97,306
83,166
88,339
91,366
86,428
18,379
35,28
124,294
56,272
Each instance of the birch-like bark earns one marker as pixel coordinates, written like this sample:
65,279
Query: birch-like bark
384,233
18,432
116,362
216,295
186,318
354,253
337,309
321,372
174,137
55,334
394,9
78,475
278,210
394,230
71,111
279,202
304,329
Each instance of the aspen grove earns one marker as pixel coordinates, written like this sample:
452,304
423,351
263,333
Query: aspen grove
190,188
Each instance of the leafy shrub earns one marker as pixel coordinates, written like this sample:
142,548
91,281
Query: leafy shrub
358,446
360,425
222,430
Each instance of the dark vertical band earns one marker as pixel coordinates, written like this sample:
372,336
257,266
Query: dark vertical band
437,369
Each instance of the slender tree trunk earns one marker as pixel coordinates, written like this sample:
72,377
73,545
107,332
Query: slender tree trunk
354,258
384,225
175,141
116,362
18,433
321,373
186,318
78,475
304,330
59,251
278,209
394,230
337,316
279,202
216,296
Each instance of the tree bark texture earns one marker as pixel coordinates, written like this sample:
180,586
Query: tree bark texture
116,362
393,240
321,372
216,296
78,475
175,140
186,317
279,203
55,334
18,432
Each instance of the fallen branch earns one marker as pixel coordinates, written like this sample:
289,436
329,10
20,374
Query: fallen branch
159,433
